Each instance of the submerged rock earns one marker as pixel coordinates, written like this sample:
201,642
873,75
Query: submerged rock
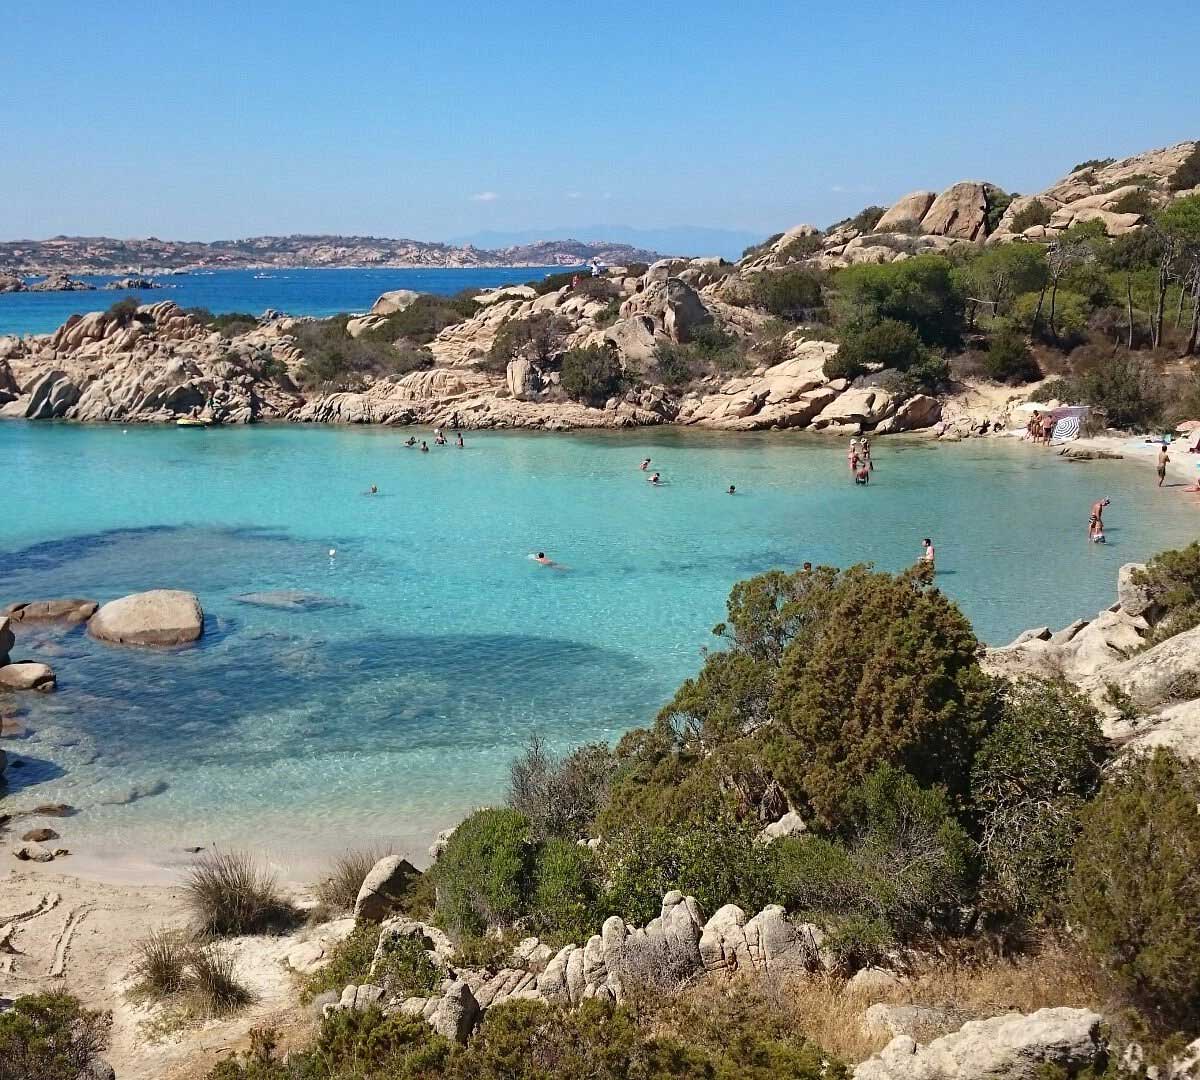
162,617
290,600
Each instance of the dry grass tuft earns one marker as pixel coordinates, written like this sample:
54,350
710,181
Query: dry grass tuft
230,895
212,986
161,960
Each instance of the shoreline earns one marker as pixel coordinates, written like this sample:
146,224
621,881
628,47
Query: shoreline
157,859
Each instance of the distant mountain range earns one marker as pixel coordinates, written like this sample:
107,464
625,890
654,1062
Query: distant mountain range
675,240
103,255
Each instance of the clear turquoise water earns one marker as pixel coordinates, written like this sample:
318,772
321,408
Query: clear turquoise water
297,292
385,718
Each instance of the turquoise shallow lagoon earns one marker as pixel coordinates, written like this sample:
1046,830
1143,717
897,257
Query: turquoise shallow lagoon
385,715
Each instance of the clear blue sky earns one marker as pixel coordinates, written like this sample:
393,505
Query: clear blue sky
201,120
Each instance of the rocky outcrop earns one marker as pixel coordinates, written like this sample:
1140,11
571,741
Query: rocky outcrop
959,212
908,212
390,303
27,676
161,617
384,887
67,610
128,283
1013,1047
60,281
7,639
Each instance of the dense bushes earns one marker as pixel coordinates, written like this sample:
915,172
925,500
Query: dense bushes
422,320
592,374
710,349
483,875
896,858
1124,385
565,896
333,359
717,862
887,344
538,338
50,1037
1008,358
229,324
560,797
889,674
794,293
1135,892
1032,213
1188,174
920,291
1030,779
1172,578
741,1033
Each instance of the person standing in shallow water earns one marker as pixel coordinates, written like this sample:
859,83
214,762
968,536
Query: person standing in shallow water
927,553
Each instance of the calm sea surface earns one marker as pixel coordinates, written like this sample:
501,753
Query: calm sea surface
296,292
389,712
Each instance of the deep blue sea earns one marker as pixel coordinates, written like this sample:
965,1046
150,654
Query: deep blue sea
296,292
385,715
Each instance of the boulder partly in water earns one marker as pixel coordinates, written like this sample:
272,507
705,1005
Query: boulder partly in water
162,617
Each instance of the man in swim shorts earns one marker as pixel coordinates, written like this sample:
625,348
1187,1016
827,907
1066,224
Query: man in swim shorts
1163,458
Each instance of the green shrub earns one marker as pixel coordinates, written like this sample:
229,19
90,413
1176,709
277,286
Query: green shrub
565,891
425,318
1031,778
592,374
636,269
598,288
1133,202
757,249
229,895
1008,358
50,1037
349,962
921,291
610,314
405,969
997,202
1135,891
539,338
332,358
929,375
1172,579
1188,174
716,861
1033,213
124,311
1065,318
888,674
676,366
483,876
560,797
864,221
801,247
897,857
795,293
1093,163
887,344
1125,386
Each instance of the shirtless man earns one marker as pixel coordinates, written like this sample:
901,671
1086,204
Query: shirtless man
1163,458
1098,514
645,464
927,554
653,479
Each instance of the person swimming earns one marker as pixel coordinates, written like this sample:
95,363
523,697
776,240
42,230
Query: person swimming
461,444
424,447
411,441
655,479
645,464
542,559
374,490
732,490
863,474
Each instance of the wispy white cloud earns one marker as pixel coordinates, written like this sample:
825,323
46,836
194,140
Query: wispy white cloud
574,194
485,196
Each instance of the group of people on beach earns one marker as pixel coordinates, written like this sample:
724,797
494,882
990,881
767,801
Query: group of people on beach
1039,427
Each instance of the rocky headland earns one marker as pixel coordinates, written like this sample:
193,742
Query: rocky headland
749,370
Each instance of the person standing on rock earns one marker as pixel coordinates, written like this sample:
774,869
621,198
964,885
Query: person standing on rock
1163,458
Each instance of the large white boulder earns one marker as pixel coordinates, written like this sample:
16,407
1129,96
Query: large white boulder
1012,1047
163,617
